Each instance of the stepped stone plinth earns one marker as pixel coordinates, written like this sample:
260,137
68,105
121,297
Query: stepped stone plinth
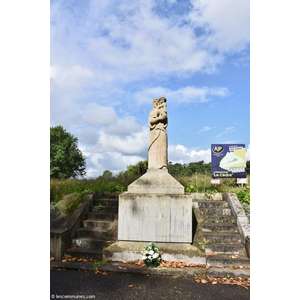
156,182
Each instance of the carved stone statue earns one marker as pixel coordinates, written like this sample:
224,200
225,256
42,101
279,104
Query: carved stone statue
158,142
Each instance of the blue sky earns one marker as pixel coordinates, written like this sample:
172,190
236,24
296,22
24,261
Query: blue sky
109,59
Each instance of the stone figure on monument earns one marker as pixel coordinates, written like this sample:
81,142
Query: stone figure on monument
158,141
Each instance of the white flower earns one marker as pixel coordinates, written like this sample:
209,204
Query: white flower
151,252
155,255
144,257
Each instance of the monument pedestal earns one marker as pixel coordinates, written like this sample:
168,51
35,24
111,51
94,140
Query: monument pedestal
155,209
154,217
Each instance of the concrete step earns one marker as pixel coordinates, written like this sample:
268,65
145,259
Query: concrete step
107,202
97,224
84,253
215,211
213,203
228,260
225,248
96,233
101,216
217,219
105,209
223,227
221,237
91,243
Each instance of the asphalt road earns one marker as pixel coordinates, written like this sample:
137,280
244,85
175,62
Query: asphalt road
74,284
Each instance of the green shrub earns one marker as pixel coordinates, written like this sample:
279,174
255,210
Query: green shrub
114,187
244,196
191,189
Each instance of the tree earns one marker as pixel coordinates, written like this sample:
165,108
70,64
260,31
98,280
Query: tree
66,159
107,174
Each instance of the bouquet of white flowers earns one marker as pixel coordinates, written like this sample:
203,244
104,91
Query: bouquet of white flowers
151,255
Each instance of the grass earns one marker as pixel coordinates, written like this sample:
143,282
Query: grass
61,188
197,183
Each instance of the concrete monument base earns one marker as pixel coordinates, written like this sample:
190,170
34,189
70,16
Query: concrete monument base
120,251
155,217
156,182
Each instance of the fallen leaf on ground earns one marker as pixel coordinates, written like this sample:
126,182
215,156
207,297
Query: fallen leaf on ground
130,285
51,258
120,268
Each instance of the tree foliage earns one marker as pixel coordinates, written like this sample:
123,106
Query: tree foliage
189,169
66,159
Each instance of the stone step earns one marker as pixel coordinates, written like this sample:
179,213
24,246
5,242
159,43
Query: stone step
91,243
217,219
221,237
213,203
101,216
215,211
105,209
224,227
225,248
84,253
96,233
107,202
228,260
97,224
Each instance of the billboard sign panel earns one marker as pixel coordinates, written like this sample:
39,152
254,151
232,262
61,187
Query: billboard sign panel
228,161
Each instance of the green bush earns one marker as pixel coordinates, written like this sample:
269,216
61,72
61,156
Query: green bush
114,187
244,196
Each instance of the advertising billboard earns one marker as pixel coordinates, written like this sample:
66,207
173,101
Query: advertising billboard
228,161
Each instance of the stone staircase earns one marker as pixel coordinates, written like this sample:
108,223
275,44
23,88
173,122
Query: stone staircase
218,234
98,231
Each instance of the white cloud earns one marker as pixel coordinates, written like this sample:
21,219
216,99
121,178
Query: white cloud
73,76
181,154
134,144
112,161
184,95
120,41
227,131
226,22
100,115
207,128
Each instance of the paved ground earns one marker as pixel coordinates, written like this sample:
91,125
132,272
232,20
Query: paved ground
145,287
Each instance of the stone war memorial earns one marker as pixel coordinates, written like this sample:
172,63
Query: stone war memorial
155,207
192,228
